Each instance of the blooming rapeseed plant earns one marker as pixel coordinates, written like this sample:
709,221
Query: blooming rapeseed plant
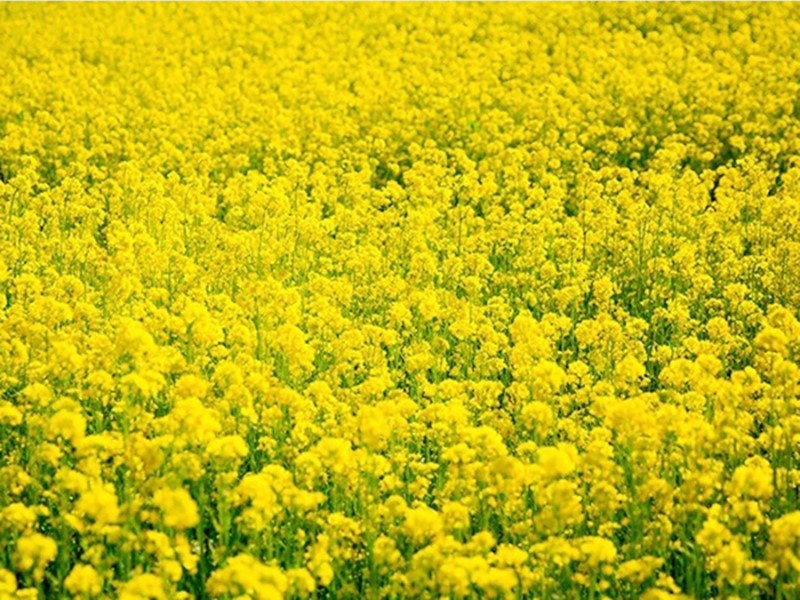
433,300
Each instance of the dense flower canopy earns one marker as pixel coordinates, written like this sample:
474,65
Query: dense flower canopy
383,301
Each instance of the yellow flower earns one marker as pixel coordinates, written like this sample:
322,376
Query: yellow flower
143,587
99,502
69,425
784,542
178,507
229,447
9,415
319,560
83,580
18,516
243,574
557,461
597,550
34,552
422,524
753,479
8,583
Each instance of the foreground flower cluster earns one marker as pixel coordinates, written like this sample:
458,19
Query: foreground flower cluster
399,301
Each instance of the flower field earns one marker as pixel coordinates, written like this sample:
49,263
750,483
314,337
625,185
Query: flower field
399,301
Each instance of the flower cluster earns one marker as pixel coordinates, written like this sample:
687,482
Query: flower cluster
439,301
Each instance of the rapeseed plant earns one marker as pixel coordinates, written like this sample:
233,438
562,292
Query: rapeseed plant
397,301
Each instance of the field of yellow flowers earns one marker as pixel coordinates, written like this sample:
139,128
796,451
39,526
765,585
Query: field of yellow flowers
399,301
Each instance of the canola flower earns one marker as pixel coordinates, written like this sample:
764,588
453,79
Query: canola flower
387,301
